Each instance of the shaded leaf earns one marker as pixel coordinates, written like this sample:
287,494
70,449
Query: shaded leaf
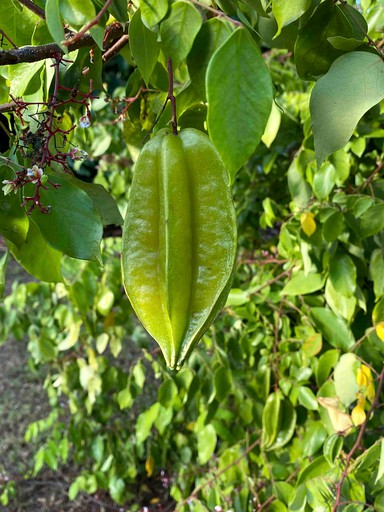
206,443
144,46
286,11
211,36
239,92
342,274
314,53
354,84
72,225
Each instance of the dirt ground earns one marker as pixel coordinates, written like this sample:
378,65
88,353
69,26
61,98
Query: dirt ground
23,401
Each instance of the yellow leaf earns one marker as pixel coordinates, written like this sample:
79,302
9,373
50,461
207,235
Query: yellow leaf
149,465
358,415
367,372
308,224
361,377
341,421
380,330
371,391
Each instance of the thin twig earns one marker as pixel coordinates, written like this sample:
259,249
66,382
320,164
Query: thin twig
50,50
115,48
218,13
89,25
357,444
271,281
369,180
34,8
196,491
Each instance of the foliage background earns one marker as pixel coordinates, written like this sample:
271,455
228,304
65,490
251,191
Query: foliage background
280,406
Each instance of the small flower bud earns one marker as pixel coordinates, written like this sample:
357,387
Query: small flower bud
84,121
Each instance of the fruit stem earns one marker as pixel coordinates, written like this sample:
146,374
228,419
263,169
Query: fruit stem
171,96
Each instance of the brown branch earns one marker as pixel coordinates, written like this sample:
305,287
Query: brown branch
115,48
89,25
357,444
34,8
50,50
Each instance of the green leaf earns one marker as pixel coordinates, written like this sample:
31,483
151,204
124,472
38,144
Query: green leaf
116,489
286,11
71,339
14,222
307,398
77,12
20,76
343,274
376,271
270,420
167,393
54,21
206,443
239,92
327,361
324,181
333,226
346,385
332,448
153,11
3,268
333,328
318,467
372,221
222,382
345,43
380,471
378,312
18,22
354,84
119,10
102,201
339,303
314,437
37,257
286,426
313,52
179,30
144,46
72,225
302,283
273,125
124,398
211,36
145,421
297,184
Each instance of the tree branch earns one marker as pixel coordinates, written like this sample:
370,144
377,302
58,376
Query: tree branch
34,8
89,25
46,51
